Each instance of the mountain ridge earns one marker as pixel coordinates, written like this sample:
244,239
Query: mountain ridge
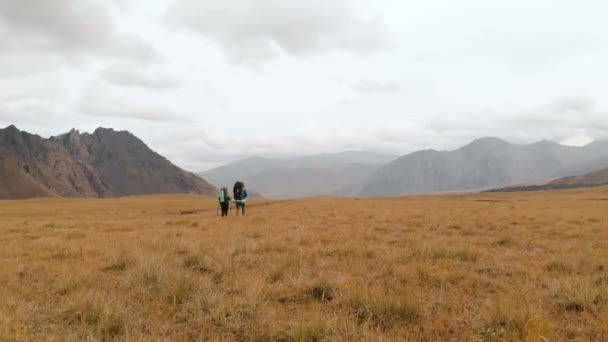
484,163
106,163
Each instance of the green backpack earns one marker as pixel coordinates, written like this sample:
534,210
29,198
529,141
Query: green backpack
223,195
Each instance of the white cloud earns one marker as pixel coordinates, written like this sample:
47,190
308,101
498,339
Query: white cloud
253,31
69,29
99,101
577,140
564,119
26,89
132,75
127,111
374,87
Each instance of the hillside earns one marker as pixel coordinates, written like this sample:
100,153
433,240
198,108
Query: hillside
484,163
106,163
17,184
595,178
304,176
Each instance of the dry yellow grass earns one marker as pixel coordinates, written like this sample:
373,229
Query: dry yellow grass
490,267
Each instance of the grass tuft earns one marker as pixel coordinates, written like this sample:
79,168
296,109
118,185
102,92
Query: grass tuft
388,312
427,280
511,321
113,327
560,267
580,295
314,331
85,313
466,254
120,264
322,292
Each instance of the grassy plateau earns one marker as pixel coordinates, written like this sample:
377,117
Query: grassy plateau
473,267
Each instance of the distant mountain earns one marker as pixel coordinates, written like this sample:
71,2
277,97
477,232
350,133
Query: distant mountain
314,175
483,164
106,163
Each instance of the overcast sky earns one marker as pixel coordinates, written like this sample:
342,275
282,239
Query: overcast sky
204,82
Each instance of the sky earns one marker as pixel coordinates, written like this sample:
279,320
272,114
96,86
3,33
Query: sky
207,82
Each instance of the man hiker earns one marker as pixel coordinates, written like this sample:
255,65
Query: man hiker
224,200
240,197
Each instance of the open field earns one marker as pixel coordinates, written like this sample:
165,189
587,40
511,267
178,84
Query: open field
515,266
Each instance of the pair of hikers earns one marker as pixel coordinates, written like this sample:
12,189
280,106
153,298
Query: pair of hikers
240,198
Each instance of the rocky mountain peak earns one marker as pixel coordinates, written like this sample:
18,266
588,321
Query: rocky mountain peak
486,143
72,137
11,135
11,128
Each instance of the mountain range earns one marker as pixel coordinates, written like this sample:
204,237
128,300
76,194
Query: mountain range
110,163
106,163
483,164
294,177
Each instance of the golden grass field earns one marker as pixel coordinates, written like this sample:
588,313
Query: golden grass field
474,267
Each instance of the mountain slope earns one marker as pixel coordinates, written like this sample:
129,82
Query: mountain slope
484,163
595,178
103,164
313,175
16,183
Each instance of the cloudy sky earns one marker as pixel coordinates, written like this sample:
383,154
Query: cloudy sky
204,82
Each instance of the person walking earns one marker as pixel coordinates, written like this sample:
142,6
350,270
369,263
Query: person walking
240,197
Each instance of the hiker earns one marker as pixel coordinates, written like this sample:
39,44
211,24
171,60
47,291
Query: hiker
224,200
240,197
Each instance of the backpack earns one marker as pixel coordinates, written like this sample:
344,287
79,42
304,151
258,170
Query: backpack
238,191
223,196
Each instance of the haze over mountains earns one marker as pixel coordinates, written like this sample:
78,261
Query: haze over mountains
314,175
106,163
482,164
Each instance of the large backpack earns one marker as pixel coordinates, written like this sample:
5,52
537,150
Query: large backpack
238,191
223,196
